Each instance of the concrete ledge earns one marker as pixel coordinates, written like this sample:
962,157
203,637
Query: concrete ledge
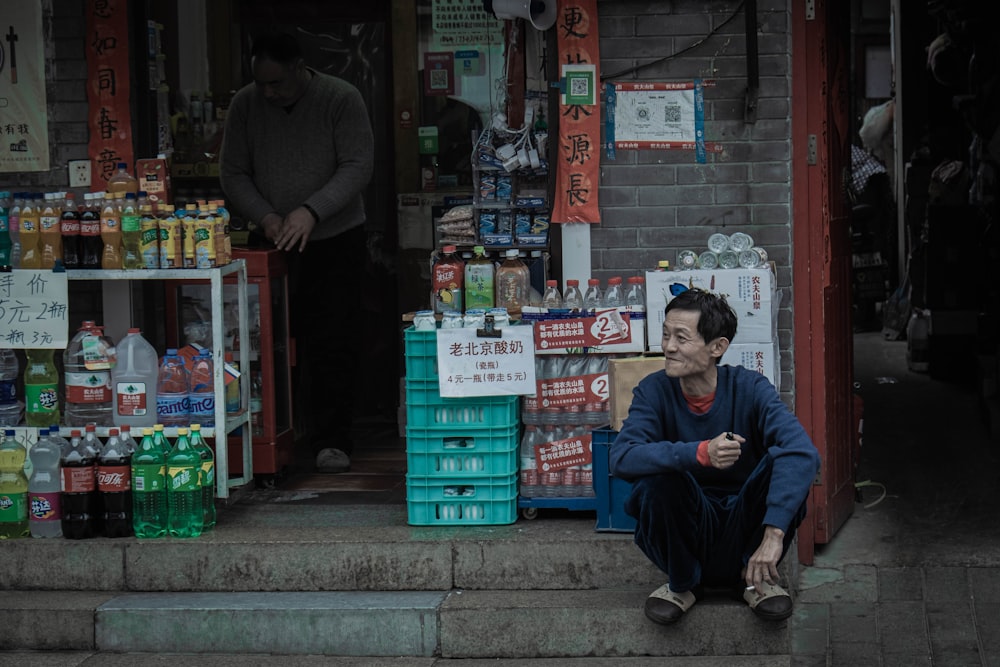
64,565
49,620
345,624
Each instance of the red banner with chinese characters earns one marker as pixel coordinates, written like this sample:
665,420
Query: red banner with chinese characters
605,327
562,454
108,91
578,152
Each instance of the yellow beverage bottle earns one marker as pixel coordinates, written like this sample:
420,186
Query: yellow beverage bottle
150,244
171,239
206,249
188,223
111,233
123,181
131,234
50,230
31,255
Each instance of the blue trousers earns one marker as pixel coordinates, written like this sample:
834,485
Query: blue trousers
699,538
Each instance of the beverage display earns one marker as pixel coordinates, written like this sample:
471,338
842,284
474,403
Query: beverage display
41,389
708,260
69,223
687,259
133,381
614,296
122,181
552,297
114,484
87,362
173,405
14,229
10,407
149,245
753,258
718,242
13,488
529,486
91,244
50,230
447,279
125,435
740,241
201,395
593,298
233,403
479,271
30,234
45,487
729,259
160,440
149,489
573,298
79,486
189,222
207,479
5,241
131,226
205,234
111,233
513,283
635,295
184,504
171,239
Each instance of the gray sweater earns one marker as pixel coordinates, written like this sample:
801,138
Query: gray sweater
320,153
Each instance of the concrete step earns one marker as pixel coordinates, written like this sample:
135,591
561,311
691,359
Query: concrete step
448,624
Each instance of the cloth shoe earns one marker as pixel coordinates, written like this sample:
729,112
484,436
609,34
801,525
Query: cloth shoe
769,601
665,607
332,460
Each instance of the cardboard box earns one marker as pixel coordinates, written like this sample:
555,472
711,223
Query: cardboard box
751,293
623,376
761,357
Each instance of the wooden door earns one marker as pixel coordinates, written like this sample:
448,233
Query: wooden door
823,343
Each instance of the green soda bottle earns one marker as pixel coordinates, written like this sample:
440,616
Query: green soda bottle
207,476
41,389
183,489
160,440
13,488
149,488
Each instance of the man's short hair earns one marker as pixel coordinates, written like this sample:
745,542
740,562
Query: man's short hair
279,47
717,316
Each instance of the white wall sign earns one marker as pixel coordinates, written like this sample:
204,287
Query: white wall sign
470,365
34,309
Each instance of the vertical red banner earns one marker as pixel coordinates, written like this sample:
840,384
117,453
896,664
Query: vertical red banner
108,90
578,154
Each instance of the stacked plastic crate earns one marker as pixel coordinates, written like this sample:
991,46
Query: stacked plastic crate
461,453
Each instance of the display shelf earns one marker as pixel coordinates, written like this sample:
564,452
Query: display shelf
215,276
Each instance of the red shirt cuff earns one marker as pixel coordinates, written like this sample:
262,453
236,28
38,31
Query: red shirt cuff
703,457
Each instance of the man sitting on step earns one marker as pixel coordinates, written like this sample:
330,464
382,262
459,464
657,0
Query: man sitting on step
720,467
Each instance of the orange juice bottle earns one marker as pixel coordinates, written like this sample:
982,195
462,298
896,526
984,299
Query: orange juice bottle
171,239
188,223
123,181
50,230
111,233
31,254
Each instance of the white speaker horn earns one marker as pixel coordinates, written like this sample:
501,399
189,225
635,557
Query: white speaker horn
541,13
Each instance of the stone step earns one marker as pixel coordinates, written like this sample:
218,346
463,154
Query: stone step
449,624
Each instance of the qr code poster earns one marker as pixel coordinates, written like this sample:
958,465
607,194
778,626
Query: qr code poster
656,116
439,73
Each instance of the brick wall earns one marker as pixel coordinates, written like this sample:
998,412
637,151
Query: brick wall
655,203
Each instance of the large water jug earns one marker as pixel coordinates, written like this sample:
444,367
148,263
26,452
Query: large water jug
134,381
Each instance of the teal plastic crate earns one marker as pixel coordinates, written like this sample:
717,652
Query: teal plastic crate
468,439
425,408
497,487
420,348
461,501
462,462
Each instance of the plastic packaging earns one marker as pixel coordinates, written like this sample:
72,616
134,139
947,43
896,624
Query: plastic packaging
573,298
50,230
201,395
31,257
550,480
70,228
134,381
122,181
111,233
149,489
161,441
189,225
171,238
114,484
613,298
10,407
552,298
14,229
512,283
87,363
447,279
207,479
594,297
91,243
529,487
45,487
5,240
131,225
479,278
635,295
79,486
233,403
149,245
125,435
13,487
184,510
173,405
41,389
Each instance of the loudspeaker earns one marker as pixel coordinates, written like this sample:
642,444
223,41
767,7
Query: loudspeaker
541,13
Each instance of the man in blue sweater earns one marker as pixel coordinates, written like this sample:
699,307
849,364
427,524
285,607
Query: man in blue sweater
720,467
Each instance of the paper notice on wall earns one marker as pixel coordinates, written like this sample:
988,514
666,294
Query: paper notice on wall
34,309
473,365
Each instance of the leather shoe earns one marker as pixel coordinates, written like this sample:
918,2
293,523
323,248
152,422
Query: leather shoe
666,607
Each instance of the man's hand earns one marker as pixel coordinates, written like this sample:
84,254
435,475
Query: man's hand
763,564
295,230
724,450
270,224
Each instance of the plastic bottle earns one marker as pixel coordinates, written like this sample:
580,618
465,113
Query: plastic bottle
125,435
224,243
41,389
184,506
69,223
206,245
13,488
5,242
87,375
50,230
552,298
512,283
447,279
479,280
233,404
614,297
207,479
635,296
149,489
111,233
114,484
131,226
573,298
122,181
257,404
173,405
79,488
171,239
550,480
10,407
189,225
14,229
91,244
663,265
149,245
594,297
31,257
529,486
134,381
160,440
45,488
202,389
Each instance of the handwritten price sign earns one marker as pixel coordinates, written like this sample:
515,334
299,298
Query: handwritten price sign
34,309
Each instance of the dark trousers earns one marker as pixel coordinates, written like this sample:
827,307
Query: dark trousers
696,538
324,284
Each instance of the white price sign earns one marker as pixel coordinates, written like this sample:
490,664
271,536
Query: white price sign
34,309
474,365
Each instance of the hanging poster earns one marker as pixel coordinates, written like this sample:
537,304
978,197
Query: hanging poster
578,150
108,90
23,117
473,365
458,24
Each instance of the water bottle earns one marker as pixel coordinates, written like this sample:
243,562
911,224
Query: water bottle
87,374
594,297
184,512
41,389
79,485
173,405
635,296
125,435
114,484
550,481
5,242
10,407
94,446
45,487
614,297
134,380
573,298
13,488
529,466
552,298
207,479
201,395
149,489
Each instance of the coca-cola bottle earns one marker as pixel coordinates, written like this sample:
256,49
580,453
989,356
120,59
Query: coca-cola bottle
78,489
114,483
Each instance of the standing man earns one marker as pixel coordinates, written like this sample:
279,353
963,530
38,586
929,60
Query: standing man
296,157
721,469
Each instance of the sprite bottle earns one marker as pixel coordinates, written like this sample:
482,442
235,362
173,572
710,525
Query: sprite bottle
41,389
207,476
149,488
183,488
13,488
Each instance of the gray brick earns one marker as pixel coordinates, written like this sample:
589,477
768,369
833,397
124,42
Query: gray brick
770,172
641,48
617,196
616,26
901,626
955,653
674,238
900,583
852,655
659,23
905,659
766,214
950,621
987,614
726,216
738,194
853,622
770,130
686,195
638,217
773,107
716,174
68,49
986,584
946,584
639,175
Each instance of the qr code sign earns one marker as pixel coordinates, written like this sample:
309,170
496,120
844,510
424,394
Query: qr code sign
672,114
439,79
579,87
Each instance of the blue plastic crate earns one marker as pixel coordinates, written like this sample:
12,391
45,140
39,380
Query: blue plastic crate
611,491
463,461
420,348
461,501
461,440
425,408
